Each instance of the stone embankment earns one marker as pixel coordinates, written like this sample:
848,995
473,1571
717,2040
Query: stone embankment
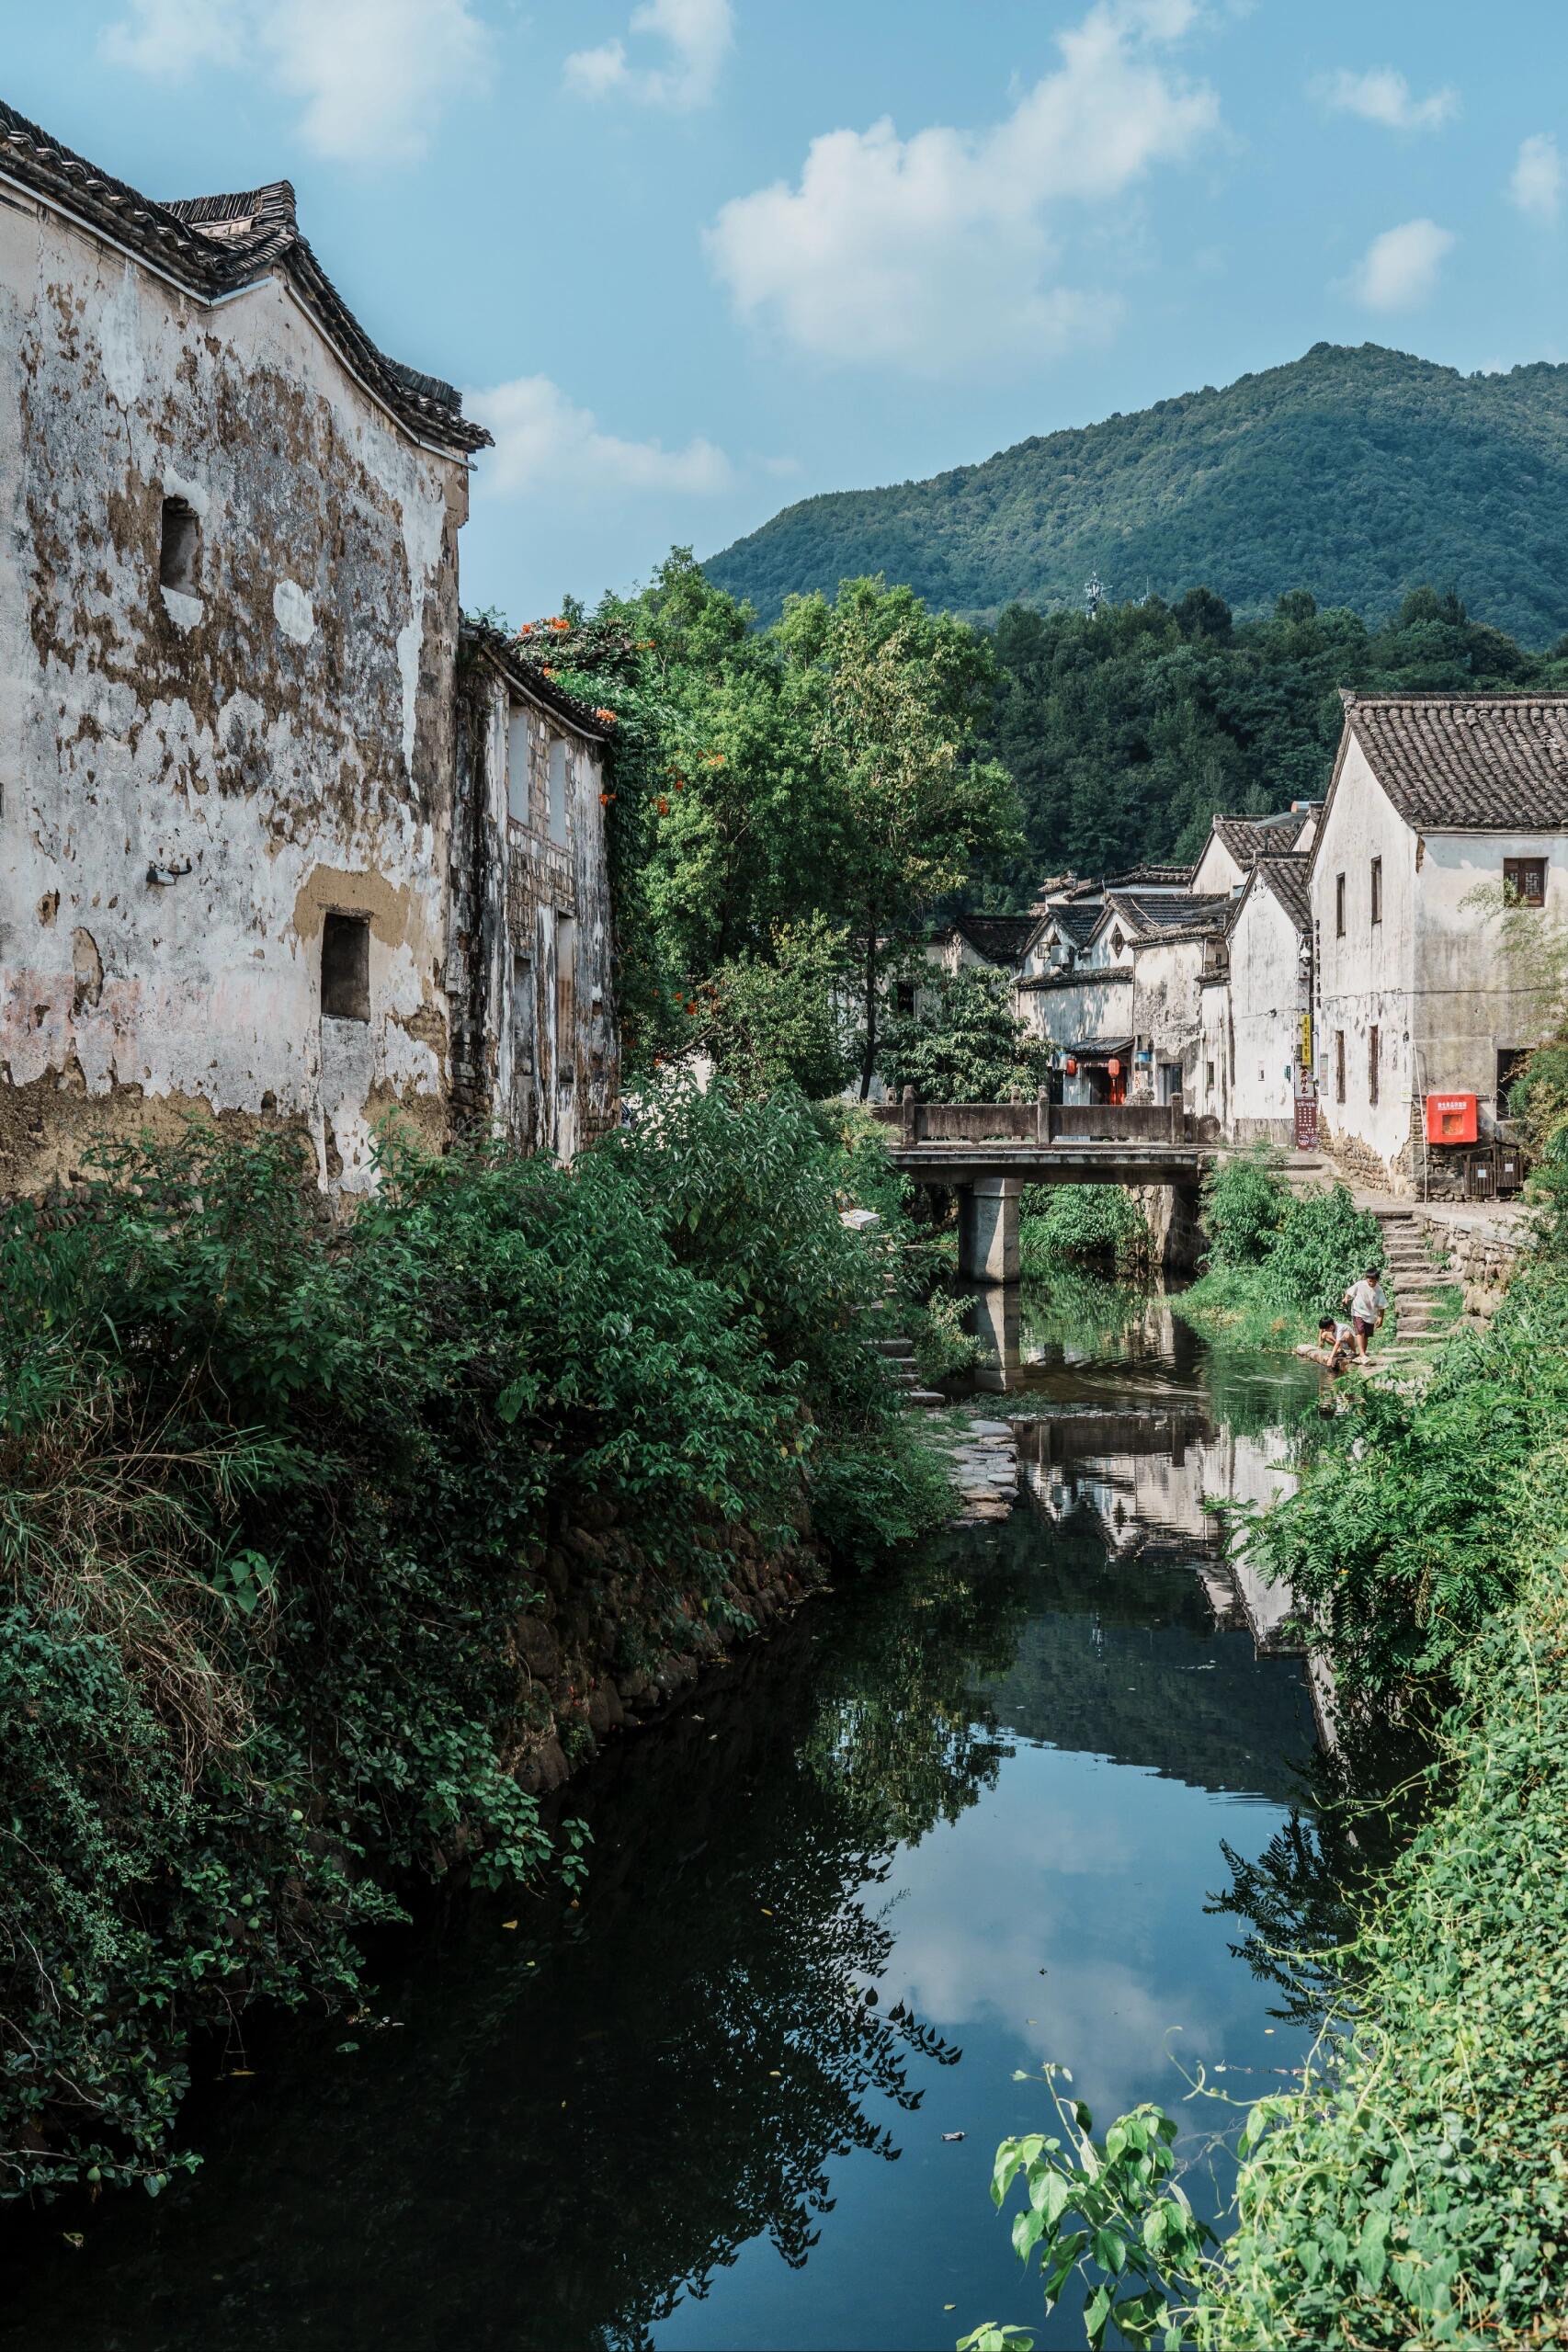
611,1646
1482,1246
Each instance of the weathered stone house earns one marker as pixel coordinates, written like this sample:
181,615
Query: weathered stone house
535,1039
233,847
1434,799
1235,844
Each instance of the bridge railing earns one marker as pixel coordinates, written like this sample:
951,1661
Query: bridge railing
1043,1123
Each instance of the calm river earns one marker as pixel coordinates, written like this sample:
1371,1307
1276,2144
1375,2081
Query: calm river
937,1830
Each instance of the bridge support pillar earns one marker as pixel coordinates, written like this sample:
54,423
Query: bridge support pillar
1171,1211
989,1209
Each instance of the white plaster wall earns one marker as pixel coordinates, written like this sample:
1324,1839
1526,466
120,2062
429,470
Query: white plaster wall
1091,1004
1265,978
1472,999
1167,1013
279,746
1213,1096
1217,872
1365,979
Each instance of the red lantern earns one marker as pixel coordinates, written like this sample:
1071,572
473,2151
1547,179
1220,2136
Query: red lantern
1115,1069
1072,1067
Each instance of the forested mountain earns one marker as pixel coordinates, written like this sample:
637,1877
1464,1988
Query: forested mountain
1356,473
1125,734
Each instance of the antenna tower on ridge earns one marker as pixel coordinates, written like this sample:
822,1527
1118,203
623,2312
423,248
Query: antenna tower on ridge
1093,596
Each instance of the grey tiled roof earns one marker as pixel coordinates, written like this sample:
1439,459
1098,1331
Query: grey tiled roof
1151,877
1287,878
213,244
1143,914
522,671
1077,918
1248,838
1486,762
1000,938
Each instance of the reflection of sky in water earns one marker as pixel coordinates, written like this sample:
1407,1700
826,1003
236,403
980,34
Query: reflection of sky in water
1097,1873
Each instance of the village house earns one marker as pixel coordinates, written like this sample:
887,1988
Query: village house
1120,1007
1256,1007
1438,806
229,624
534,1044
1235,844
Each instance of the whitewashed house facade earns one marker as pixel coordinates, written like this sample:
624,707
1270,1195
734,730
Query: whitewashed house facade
1436,802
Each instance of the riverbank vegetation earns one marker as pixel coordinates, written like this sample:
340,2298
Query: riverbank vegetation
1416,2189
282,1496
1277,1258
1081,1225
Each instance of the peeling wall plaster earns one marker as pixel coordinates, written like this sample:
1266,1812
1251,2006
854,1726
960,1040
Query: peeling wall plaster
187,783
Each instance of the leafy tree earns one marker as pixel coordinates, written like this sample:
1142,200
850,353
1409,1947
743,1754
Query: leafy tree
964,1042
897,700
777,1020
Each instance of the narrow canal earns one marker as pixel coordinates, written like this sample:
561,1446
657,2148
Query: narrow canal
944,1826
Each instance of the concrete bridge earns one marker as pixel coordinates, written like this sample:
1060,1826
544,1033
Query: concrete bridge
986,1152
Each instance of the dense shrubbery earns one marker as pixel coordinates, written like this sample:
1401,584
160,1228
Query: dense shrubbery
1083,1224
1276,1257
273,1497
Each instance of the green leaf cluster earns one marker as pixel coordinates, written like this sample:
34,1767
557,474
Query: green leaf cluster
275,1495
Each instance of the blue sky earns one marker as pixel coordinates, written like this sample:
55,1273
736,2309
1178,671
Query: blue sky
695,258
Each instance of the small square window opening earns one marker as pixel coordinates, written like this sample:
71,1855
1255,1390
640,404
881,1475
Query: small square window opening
1524,880
179,549
346,968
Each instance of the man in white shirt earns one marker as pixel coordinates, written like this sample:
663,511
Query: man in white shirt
1367,1307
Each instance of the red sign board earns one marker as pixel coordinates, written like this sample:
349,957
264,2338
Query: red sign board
1306,1124
1450,1118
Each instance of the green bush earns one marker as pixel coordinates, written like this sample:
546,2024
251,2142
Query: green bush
274,1498
1086,1223
964,1042
1276,1257
1245,1204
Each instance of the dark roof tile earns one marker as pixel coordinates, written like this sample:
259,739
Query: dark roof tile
520,670
213,244
1494,763
1287,878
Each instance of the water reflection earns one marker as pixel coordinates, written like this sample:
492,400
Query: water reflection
933,1831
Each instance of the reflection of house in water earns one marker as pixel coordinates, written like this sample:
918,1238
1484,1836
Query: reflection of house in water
1123,1659
1146,1479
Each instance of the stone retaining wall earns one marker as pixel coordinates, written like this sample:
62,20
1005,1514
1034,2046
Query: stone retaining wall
1482,1250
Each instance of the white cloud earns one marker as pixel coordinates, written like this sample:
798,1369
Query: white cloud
371,74
169,38
940,253
543,441
1399,270
698,33
1382,95
1535,184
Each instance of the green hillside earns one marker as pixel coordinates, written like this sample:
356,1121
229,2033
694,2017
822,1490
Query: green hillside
1356,473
